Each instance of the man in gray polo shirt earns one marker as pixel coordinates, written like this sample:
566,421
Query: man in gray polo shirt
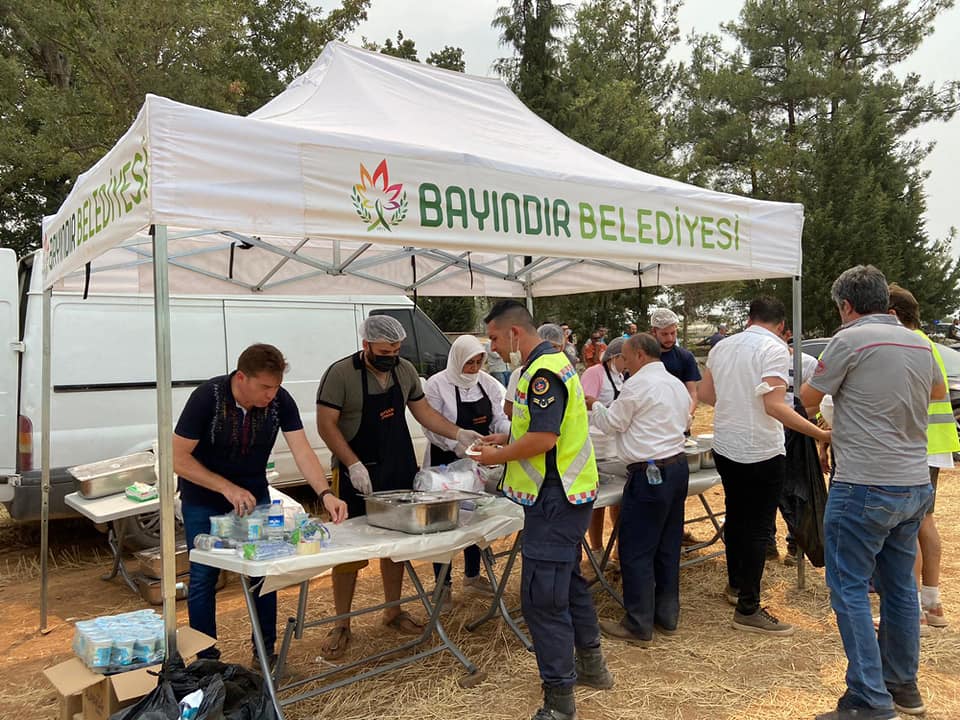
882,377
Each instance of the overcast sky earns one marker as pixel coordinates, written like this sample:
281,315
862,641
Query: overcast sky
466,24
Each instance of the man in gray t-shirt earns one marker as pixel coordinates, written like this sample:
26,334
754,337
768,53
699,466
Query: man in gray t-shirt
882,377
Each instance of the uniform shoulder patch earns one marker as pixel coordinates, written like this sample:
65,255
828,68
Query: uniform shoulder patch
540,385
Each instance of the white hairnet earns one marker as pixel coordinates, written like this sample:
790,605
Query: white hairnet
382,328
614,349
552,333
663,317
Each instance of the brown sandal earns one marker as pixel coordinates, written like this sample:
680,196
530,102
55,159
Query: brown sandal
335,644
404,624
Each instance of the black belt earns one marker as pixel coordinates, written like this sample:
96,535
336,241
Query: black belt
663,462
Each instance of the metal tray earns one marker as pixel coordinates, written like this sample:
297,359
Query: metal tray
151,563
151,590
108,477
416,512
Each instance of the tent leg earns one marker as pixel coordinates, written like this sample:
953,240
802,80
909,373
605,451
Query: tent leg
797,382
529,290
161,309
45,453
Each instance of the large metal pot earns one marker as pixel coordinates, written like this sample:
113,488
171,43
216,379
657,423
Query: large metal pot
693,458
705,443
415,512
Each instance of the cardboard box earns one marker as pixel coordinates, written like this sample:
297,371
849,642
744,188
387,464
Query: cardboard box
103,695
71,706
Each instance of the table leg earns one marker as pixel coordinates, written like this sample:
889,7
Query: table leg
119,568
433,606
497,604
293,630
599,567
260,645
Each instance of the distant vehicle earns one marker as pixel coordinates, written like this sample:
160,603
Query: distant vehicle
103,403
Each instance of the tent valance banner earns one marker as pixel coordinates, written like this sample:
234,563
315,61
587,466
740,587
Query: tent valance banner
371,150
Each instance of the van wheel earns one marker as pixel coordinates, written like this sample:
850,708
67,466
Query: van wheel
142,531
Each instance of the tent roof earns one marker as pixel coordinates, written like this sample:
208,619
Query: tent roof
371,173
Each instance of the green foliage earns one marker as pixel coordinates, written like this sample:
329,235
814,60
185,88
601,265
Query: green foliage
448,58
531,29
73,76
451,314
403,48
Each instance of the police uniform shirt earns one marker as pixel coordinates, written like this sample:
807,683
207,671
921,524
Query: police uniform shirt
547,402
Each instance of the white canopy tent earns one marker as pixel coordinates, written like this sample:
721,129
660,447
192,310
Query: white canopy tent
368,173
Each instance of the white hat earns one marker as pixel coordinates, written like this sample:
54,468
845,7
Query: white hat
382,328
663,317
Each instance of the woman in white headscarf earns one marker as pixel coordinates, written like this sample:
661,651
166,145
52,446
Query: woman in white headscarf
473,399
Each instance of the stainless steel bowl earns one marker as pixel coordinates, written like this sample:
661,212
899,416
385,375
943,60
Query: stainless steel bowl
693,458
416,512
706,459
108,477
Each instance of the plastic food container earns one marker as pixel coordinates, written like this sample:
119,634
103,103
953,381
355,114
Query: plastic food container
415,512
109,477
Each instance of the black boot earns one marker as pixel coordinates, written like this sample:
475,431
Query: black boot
592,669
558,704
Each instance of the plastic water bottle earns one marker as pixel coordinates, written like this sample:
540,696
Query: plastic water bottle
208,542
653,473
275,520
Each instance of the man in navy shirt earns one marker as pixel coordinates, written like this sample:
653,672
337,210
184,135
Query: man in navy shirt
678,361
221,446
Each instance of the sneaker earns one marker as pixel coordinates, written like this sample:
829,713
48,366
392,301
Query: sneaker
772,552
934,616
907,699
732,595
446,599
761,622
859,714
688,539
478,584
925,629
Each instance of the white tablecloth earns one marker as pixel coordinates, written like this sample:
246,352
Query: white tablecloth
355,540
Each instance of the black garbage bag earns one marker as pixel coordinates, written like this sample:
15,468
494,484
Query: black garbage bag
230,692
804,495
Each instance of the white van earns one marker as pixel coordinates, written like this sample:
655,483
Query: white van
103,402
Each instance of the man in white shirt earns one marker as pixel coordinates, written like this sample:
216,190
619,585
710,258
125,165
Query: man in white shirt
648,420
746,381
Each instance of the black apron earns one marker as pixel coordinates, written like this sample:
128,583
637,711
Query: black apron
475,415
382,444
616,392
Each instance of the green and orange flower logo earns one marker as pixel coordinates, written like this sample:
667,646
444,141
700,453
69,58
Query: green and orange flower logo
378,203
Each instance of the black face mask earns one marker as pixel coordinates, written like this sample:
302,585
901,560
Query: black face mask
383,363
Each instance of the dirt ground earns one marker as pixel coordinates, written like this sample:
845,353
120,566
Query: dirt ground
707,672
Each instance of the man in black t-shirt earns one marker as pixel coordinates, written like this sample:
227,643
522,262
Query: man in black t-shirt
221,446
678,361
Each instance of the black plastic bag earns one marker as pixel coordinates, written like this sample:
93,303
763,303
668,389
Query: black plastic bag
804,494
230,692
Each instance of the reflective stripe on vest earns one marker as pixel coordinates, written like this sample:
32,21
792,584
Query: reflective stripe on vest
576,461
941,425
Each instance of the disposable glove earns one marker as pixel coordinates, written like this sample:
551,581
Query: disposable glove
360,478
466,438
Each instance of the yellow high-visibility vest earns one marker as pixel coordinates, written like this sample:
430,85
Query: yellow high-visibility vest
941,425
576,461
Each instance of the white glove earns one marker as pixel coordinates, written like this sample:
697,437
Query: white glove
360,478
466,438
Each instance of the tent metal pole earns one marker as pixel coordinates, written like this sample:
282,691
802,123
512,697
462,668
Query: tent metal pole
47,312
161,316
528,288
797,382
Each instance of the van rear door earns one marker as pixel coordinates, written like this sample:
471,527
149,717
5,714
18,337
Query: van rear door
9,360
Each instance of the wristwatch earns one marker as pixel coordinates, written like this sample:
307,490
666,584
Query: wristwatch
323,494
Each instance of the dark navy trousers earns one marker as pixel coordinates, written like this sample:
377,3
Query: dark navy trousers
202,593
651,528
556,602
